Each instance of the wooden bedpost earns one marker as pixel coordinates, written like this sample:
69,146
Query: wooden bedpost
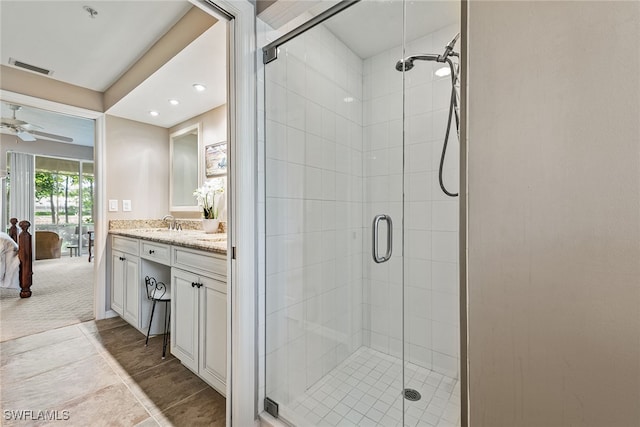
25,253
13,230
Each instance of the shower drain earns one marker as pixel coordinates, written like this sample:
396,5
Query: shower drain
411,394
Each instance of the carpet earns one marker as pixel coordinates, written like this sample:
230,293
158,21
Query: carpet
62,295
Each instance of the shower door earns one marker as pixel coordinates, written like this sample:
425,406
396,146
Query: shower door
349,315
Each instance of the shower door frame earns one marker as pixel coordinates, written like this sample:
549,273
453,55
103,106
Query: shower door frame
269,53
462,219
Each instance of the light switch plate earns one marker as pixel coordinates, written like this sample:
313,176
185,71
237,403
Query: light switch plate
126,206
113,205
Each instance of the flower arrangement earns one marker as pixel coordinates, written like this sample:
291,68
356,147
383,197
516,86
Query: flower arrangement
208,197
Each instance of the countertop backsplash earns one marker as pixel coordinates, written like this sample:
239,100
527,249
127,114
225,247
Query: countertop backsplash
186,224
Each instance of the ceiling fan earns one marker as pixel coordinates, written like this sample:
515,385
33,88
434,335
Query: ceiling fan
27,131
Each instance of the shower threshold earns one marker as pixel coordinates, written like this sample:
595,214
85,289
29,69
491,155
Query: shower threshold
366,390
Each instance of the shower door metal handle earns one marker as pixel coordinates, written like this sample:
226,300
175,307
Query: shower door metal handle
376,225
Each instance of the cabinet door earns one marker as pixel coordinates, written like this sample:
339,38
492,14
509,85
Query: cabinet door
184,318
213,333
132,290
117,282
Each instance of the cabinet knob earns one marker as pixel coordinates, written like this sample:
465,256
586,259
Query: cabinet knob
193,284
199,285
151,251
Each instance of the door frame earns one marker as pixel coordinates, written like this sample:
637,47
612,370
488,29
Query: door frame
242,278
100,227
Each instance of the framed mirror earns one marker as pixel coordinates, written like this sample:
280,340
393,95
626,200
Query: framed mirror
185,168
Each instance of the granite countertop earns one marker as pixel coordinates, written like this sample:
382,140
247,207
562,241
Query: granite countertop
189,238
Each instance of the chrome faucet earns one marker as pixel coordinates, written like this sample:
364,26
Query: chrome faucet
172,223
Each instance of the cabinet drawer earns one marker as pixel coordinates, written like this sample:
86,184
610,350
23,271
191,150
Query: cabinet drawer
125,244
200,262
155,251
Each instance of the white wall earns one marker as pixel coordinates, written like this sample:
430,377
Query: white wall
431,316
382,152
137,168
554,213
313,211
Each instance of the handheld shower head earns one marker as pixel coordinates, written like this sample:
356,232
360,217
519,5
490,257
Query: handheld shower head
407,63
452,43
448,49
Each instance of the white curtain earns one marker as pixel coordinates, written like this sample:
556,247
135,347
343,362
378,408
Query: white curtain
3,194
22,188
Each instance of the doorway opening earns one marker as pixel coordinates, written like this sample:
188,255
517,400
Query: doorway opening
49,181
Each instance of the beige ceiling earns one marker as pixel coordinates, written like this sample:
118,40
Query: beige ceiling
88,52
97,52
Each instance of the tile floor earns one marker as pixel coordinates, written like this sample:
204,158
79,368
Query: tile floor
100,373
365,391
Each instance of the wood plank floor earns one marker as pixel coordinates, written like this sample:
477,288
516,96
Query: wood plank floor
100,373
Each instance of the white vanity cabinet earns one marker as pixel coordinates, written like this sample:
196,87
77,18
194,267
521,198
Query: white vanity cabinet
199,314
213,333
197,281
185,303
125,279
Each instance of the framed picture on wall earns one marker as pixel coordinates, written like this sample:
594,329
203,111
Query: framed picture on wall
215,157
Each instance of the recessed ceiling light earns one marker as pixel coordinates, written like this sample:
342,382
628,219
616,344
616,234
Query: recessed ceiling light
443,71
174,102
154,113
199,87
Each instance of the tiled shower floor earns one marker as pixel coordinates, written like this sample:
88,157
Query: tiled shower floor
365,391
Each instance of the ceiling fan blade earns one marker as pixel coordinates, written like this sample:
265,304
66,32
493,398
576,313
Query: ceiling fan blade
25,136
8,121
45,135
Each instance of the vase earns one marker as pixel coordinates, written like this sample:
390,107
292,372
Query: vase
210,225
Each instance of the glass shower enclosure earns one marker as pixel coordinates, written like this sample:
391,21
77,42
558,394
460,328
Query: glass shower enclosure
361,243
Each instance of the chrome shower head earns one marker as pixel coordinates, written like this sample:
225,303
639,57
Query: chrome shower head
407,63
404,64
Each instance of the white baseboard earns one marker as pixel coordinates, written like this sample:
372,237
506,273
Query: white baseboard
109,314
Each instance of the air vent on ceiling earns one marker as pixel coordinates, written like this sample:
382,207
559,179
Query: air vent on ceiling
30,67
